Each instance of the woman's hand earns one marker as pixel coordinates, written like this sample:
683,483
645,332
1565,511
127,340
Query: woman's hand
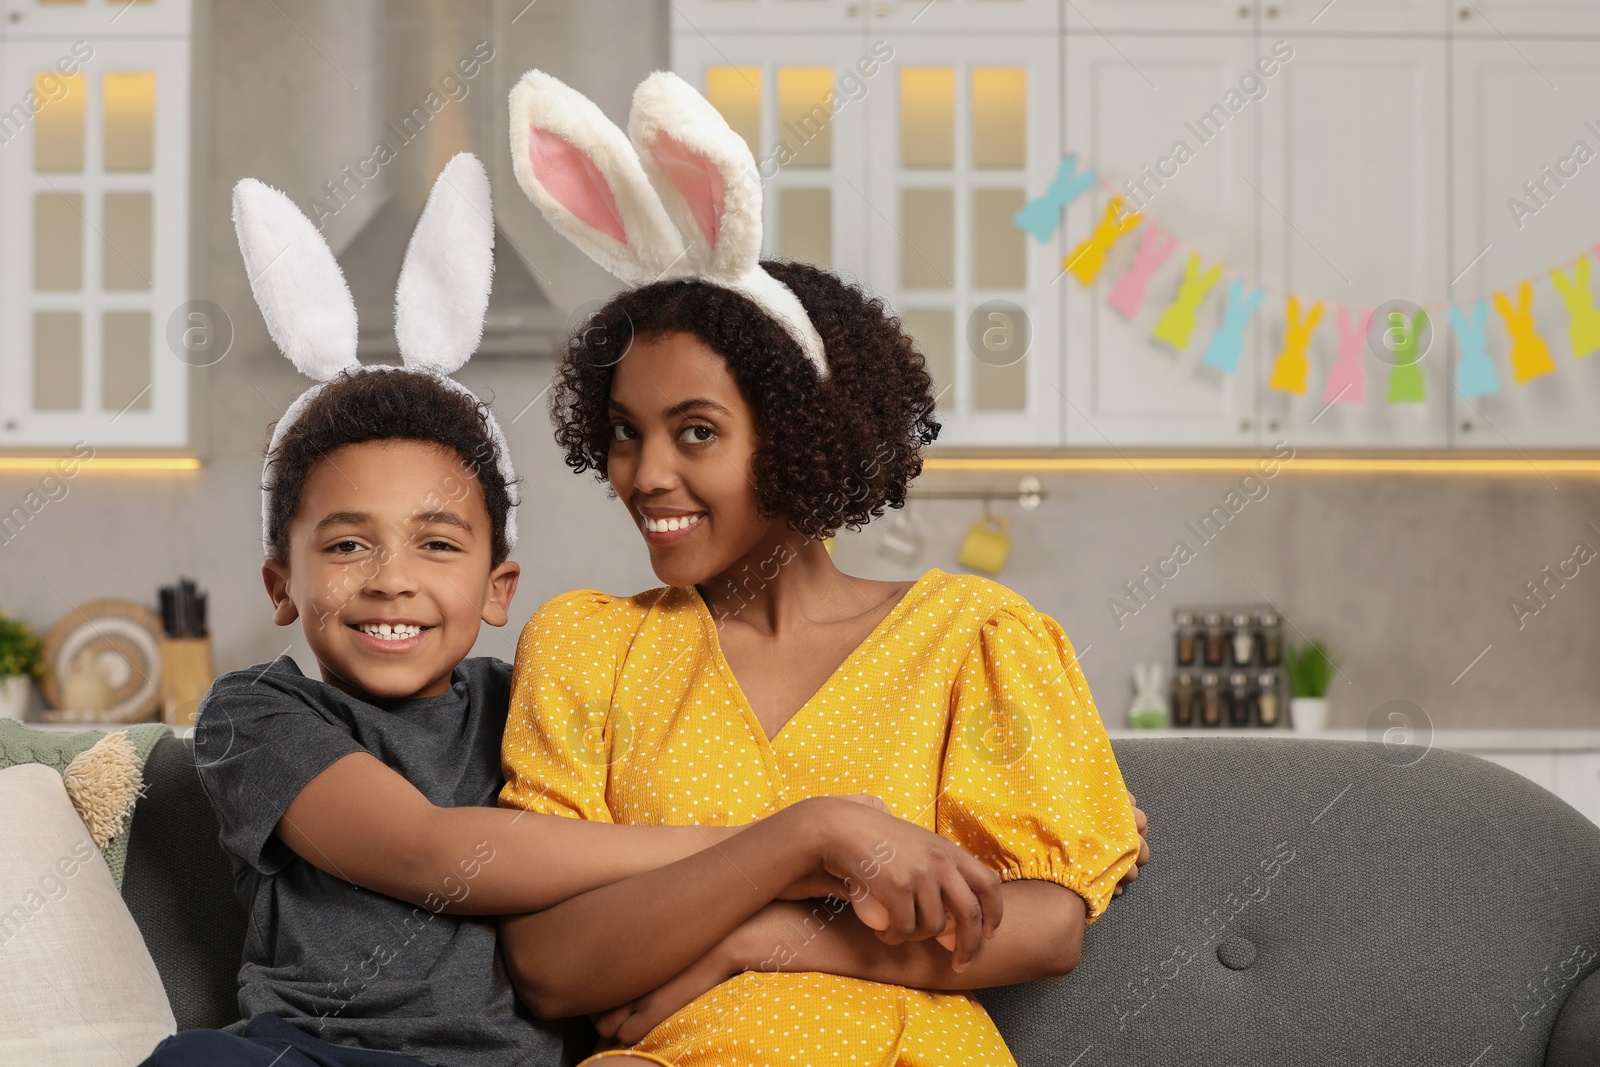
1144,846
925,882
628,1023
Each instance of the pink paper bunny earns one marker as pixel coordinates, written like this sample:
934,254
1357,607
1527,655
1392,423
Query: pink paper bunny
1347,380
1127,295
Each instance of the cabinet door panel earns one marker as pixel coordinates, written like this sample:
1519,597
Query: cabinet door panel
1132,102
1578,782
1538,767
1495,18
94,20
1522,115
1354,216
987,16
1354,16
963,131
1166,16
700,17
95,210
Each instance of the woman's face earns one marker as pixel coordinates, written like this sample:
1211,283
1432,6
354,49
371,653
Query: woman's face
681,459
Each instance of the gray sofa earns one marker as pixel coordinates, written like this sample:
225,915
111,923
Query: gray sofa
1309,903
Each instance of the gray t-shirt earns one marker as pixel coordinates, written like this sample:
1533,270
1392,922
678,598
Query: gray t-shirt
348,965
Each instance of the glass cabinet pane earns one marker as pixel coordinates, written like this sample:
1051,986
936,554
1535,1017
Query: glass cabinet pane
736,92
130,115
999,255
57,242
999,113
933,329
805,225
57,361
125,361
58,125
927,116
927,239
805,120
125,254
996,388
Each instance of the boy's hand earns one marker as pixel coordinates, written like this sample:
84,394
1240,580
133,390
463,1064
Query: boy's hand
1143,823
928,886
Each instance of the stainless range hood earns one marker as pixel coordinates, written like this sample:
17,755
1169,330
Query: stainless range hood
431,110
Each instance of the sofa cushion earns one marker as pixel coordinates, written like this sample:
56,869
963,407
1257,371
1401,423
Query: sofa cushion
77,986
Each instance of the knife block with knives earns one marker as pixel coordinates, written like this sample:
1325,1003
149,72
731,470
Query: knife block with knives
186,669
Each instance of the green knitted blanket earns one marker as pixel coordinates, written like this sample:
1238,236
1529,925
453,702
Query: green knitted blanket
20,744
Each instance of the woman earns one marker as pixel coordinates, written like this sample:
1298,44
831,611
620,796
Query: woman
761,674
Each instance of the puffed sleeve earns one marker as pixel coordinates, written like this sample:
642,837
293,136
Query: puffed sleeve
559,732
1029,783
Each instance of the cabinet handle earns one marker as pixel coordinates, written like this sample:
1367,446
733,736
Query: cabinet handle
1464,14
852,10
1244,425
1272,12
1244,11
1466,426
1272,425
880,10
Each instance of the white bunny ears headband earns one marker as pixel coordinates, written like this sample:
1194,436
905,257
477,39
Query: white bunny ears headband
439,303
682,200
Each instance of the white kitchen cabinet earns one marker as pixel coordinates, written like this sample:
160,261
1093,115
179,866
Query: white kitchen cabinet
1164,16
985,16
1131,101
699,17
964,129
1517,109
1577,781
94,206
1354,164
1282,17
1495,18
95,20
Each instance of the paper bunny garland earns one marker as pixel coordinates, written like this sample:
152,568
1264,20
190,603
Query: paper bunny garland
678,196
440,301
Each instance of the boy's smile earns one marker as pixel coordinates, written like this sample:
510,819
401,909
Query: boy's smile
389,568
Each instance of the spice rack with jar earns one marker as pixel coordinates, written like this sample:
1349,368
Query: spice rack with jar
1227,667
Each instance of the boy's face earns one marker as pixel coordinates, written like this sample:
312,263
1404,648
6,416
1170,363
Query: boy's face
390,533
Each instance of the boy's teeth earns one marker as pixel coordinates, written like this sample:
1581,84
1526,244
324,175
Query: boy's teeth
391,633
668,525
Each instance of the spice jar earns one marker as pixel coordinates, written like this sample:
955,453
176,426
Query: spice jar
1241,705
1267,702
1183,694
1216,640
1211,697
1185,636
1271,639
1244,640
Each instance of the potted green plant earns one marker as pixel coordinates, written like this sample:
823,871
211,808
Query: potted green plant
1310,668
21,662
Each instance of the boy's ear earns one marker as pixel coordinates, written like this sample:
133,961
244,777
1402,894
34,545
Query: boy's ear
502,587
276,577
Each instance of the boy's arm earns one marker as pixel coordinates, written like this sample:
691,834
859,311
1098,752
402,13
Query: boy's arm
360,820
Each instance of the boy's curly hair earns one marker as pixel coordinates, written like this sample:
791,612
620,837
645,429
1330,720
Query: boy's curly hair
833,453
394,404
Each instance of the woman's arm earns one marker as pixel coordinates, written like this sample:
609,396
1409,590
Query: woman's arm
612,944
1041,938
360,820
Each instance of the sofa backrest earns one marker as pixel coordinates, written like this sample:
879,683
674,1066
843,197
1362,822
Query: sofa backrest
1317,902
1308,902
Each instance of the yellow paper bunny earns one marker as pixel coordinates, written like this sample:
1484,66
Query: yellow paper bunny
1530,356
1177,322
1290,371
1584,328
1087,259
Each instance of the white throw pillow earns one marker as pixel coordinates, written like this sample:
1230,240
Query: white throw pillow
77,985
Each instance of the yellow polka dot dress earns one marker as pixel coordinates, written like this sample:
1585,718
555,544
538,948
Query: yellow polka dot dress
965,710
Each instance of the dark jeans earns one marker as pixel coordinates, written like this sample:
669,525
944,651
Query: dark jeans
267,1041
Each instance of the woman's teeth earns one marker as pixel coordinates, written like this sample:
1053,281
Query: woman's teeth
390,633
668,525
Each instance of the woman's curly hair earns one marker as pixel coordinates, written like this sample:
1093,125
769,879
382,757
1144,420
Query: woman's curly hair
360,406
833,453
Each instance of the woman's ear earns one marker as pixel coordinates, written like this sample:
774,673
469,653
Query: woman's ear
502,587
276,577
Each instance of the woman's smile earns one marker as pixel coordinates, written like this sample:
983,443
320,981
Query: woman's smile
666,530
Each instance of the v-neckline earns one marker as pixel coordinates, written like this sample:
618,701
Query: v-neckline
709,625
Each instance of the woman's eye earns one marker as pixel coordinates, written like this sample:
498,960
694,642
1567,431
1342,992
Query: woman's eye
707,431
619,431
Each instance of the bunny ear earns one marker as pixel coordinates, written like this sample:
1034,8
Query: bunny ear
296,281
580,171
449,266
704,173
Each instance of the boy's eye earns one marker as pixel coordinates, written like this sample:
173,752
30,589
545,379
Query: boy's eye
697,428
346,547
440,545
